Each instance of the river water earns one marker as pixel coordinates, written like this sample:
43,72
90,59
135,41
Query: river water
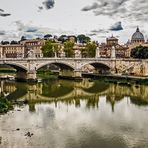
68,114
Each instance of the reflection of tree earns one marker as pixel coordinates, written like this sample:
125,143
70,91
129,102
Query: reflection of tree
138,101
113,99
92,102
77,103
31,107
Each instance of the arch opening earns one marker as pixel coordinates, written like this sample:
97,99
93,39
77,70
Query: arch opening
56,66
97,88
98,68
14,66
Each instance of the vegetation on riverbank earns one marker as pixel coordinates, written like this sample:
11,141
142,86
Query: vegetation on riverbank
121,80
5,105
127,81
47,74
7,70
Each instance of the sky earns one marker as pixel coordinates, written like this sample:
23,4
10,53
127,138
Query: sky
98,19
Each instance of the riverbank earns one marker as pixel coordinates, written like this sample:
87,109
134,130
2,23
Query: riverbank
48,74
118,79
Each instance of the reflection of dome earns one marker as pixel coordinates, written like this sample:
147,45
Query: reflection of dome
137,37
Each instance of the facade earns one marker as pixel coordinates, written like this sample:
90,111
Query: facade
121,51
33,47
24,49
12,51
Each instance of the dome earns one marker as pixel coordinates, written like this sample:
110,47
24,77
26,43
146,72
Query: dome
137,36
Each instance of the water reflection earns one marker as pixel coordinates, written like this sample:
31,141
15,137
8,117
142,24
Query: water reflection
66,114
70,92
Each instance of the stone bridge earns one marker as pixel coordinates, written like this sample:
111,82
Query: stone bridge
26,68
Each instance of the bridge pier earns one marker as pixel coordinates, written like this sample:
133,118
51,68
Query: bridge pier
69,74
26,76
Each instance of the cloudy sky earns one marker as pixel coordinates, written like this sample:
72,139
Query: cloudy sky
97,18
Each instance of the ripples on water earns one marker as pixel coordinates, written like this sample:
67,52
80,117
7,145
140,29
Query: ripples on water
65,114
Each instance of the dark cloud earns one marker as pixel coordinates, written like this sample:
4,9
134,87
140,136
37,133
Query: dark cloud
111,7
116,27
49,4
31,29
91,34
133,10
5,14
2,32
100,31
1,10
20,25
25,28
91,7
40,8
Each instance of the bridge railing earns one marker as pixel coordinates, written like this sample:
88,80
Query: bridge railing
68,58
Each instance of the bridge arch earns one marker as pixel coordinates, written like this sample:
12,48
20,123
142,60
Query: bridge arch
61,65
99,87
98,66
16,66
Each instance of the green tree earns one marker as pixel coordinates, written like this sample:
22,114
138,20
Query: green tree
89,50
63,38
56,48
83,39
48,49
140,52
68,49
47,36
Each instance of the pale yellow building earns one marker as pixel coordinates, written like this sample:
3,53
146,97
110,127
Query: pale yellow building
24,49
12,51
34,46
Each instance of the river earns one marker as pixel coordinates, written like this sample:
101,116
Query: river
68,114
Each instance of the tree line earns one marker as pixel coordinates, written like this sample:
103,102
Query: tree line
51,48
80,38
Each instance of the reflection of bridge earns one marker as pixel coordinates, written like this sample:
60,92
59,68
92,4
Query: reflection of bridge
26,68
45,92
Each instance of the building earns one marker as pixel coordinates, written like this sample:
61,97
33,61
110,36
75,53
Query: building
24,49
12,51
106,48
137,39
34,47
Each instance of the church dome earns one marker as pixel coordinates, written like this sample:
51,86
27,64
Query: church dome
137,36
